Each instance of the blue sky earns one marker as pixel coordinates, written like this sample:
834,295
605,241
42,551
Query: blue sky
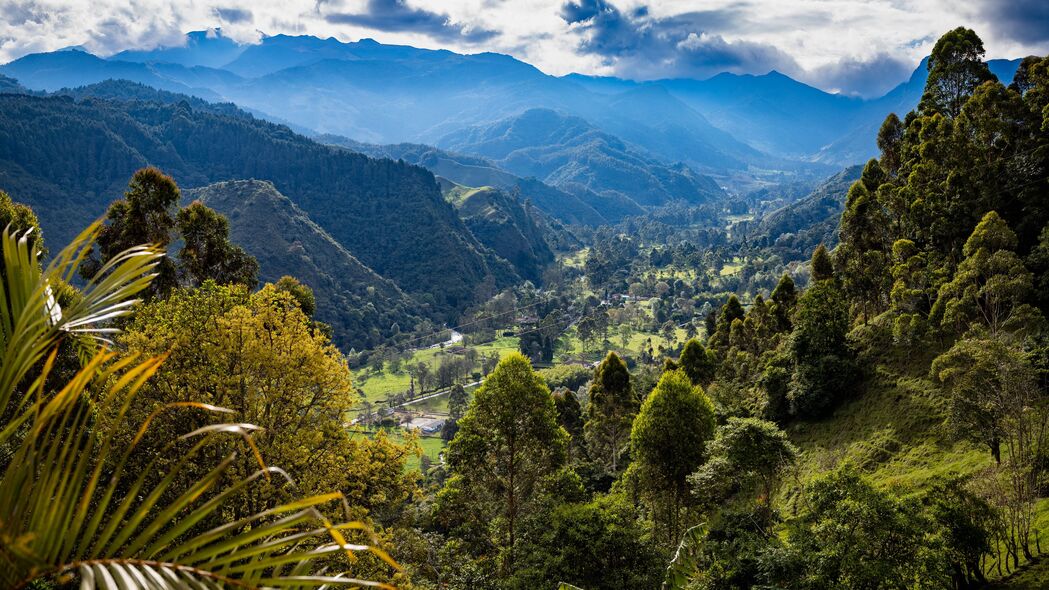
857,47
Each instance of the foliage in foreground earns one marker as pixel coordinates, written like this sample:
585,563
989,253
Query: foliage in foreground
70,509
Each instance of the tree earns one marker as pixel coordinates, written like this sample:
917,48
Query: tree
819,350
784,298
144,216
990,285
698,363
668,329
207,253
60,480
257,354
1023,79
17,218
747,456
668,439
822,265
988,383
967,522
890,138
569,414
457,402
731,311
956,68
597,545
857,536
302,293
149,214
610,412
508,441
863,255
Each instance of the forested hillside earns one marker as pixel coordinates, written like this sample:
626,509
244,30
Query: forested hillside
476,171
390,215
512,229
360,306
799,227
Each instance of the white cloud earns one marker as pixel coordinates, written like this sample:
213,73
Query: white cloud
827,43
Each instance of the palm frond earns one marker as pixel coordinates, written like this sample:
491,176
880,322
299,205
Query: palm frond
31,320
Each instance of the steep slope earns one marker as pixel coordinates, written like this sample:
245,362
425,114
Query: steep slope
359,305
501,222
11,86
570,153
796,229
390,215
475,171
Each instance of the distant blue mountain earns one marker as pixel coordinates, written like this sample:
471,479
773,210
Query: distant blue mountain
569,153
731,126
69,69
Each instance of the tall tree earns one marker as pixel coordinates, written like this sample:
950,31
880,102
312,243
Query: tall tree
991,285
819,350
507,442
698,363
610,412
146,215
784,297
731,311
863,255
956,68
149,214
822,264
890,137
669,439
569,414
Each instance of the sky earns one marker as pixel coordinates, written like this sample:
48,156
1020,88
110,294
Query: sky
861,48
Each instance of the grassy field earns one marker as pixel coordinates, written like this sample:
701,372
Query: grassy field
432,447
572,346
576,259
893,432
377,386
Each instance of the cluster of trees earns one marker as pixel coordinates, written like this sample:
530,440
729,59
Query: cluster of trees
119,469
936,274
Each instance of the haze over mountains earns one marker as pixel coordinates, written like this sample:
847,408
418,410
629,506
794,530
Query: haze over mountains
384,94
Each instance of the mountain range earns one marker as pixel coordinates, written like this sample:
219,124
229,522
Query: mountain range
734,127
389,216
